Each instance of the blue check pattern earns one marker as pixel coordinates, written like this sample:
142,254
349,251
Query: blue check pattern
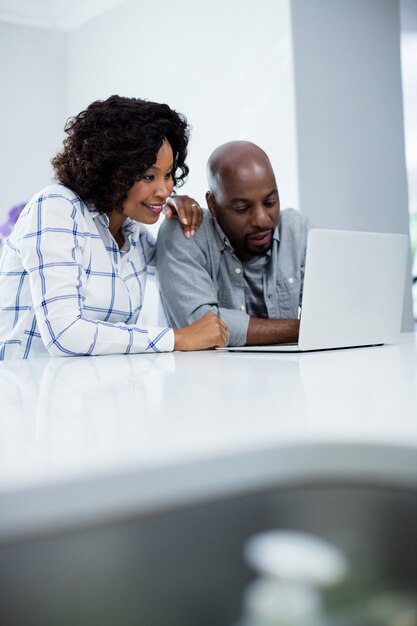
66,289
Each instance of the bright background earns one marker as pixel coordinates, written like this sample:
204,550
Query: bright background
316,83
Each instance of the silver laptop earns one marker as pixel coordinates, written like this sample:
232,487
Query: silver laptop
353,291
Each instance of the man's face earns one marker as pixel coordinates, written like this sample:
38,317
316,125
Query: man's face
245,202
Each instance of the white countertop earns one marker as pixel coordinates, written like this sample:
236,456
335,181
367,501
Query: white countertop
93,438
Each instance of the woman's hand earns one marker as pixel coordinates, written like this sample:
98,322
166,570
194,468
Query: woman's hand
208,332
189,213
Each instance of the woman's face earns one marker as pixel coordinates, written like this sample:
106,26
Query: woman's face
146,199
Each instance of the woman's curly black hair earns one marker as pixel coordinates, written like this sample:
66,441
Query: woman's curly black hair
112,143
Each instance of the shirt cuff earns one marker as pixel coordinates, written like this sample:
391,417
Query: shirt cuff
237,325
156,340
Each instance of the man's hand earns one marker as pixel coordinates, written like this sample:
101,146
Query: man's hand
188,211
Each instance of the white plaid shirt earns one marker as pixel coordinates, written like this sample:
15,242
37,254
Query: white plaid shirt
65,287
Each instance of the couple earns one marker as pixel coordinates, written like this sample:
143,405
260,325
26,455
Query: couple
73,271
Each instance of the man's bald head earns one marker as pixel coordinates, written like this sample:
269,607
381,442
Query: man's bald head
234,158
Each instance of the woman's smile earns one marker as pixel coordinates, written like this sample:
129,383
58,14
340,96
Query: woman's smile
155,209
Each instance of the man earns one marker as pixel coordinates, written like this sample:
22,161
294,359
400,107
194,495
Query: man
246,261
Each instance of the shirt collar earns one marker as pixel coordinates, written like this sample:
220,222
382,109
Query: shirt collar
223,239
128,227
102,218
277,231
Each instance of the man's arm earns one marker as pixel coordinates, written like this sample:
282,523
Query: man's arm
188,290
265,332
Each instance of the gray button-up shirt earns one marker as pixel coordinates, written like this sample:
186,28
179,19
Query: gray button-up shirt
203,274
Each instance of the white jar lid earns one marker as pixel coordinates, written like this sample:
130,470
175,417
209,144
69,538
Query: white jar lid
296,556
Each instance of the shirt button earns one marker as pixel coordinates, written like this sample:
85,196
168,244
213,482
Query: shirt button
238,270
242,307
291,280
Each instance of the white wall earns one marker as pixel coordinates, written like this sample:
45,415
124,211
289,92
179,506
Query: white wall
226,64
335,138
351,155
32,109
409,76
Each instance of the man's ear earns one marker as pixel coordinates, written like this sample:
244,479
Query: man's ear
211,204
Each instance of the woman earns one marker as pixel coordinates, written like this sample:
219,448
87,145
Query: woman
73,271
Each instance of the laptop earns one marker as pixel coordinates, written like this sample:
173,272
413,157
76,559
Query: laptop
353,291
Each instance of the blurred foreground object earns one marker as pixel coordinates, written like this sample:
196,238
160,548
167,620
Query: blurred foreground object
293,566
295,570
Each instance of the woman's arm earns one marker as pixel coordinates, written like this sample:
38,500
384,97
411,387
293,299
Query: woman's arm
53,237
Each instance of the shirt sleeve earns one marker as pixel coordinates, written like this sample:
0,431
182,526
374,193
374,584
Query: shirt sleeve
52,239
188,290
